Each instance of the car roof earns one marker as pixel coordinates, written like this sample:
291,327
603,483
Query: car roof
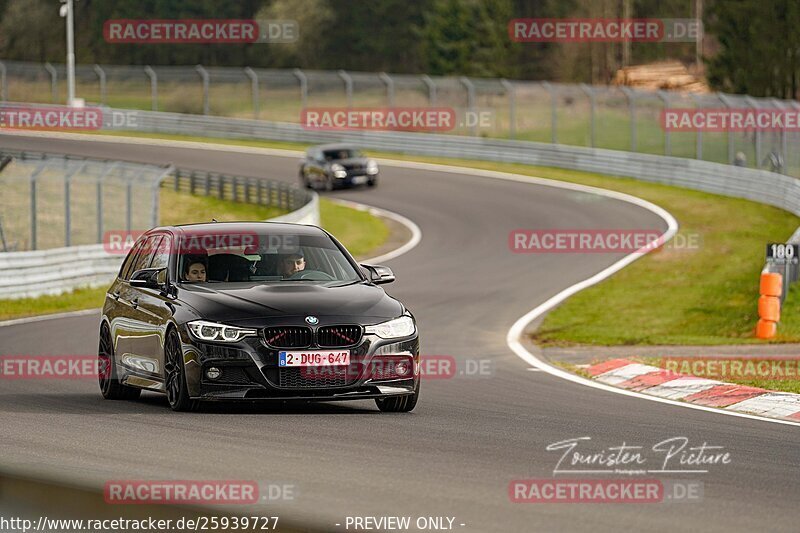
334,146
278,228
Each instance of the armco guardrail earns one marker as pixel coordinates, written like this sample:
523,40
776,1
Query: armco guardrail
611,117
57,270
758,185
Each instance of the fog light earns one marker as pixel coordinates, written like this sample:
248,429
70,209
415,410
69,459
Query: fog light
401,368
213,373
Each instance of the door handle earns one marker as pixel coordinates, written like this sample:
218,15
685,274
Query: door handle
135,303
115,294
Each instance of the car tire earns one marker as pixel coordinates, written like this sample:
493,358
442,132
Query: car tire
399,404
373,182
110,386
175,375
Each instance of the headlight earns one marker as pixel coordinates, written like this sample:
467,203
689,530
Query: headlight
211,331
338,170
372,167
398,327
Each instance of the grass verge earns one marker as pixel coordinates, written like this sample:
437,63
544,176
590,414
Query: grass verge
702,296
359,231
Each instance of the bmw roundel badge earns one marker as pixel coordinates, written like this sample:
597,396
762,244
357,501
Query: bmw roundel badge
312,320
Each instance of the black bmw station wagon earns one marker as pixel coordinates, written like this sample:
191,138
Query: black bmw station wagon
255,311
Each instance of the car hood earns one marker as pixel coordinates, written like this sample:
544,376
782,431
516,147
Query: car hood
289,303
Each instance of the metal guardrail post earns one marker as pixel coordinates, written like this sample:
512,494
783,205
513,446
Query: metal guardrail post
470,87
303,79
128,205
389,82
99,202
512,106
783,153
751,101
53,81
153,87
699,135
631,96
428,81
35,174
664,96
206,82
731,141
3,82
253,88
156,192
101,76
590,94
67,204
348,86
553,111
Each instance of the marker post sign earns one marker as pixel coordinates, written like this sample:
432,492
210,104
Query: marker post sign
784,258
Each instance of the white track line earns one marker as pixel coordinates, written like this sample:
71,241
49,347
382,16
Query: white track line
51,316
517,330
416,233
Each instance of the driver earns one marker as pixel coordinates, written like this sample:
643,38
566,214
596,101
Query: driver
195,270
290,264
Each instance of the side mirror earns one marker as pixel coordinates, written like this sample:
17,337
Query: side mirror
150,278
379,274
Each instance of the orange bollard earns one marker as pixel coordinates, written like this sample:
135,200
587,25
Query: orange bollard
769,308
766,329
771,284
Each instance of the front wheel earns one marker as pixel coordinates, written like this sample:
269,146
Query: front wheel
175,375
110,386
399,404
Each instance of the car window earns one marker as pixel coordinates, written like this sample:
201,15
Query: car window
145,254
127,266
161,253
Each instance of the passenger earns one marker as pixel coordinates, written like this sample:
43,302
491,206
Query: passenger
194,271
291,264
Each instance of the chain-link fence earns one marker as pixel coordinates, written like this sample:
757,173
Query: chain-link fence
618,118
51,201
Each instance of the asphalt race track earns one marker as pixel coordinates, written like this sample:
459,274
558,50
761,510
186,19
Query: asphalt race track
469,437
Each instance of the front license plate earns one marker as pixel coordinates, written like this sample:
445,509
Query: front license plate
315,358
359,179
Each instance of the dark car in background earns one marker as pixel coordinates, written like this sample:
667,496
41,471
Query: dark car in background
255,311
334,166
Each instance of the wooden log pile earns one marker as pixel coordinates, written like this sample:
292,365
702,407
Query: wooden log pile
668,75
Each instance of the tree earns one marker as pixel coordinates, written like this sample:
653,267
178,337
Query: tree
758,47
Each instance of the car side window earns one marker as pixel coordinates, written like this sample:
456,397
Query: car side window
127,267
145,254
161,253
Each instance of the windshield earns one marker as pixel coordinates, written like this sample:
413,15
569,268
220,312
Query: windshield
343,153
248,257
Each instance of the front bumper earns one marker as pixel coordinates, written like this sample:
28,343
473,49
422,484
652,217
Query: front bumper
249,371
